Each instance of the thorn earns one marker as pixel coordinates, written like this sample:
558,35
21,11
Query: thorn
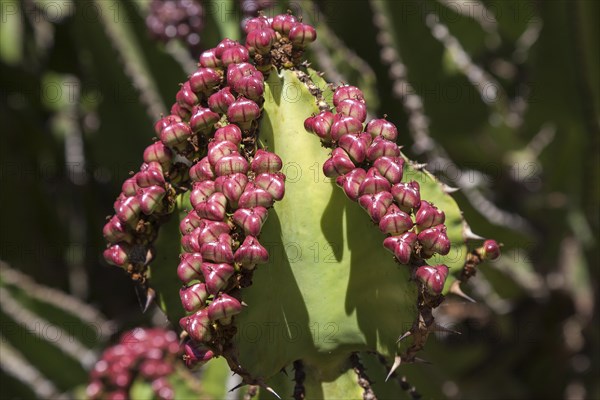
243,303
435,327
150,296
455,289
468,233
397,362
239,385
449,189
404,336
282,370
270,390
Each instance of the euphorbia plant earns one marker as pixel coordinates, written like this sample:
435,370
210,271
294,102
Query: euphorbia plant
267,164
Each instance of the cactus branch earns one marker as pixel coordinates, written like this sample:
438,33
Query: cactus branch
363,380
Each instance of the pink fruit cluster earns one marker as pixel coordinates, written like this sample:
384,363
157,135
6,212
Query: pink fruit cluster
142,202
171,19
226,90
212,133
368,165
147,354
232,187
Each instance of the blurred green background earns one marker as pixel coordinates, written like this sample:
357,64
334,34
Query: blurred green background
501,98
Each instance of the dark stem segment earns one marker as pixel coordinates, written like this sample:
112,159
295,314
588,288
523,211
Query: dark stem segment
363,380
402,381
299,376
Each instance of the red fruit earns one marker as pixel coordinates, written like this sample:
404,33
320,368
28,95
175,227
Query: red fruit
491,250
382,127
283,23
301,35
260,40
347,92
432,278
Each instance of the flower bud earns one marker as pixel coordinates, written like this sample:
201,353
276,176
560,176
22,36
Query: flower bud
235,72
189,267
250,220
162,388
208,59
432,278
201,192
347,92
181,112
344,125
374,183
231,164
219,102
117,254
301,35
150,175
265,161
204,80
129,211
230,133
283,23
381,147
189,223
353,108
223,307
209,231
355,146
390,168
256,23
254,196
130,186
216,276
219,251
401,246
195,355
214,208
338,164
395,221
115,231
175,134
158,152
203,119
376,204
251,87
428,215
321,125
164,122
434,240
243,112
251,253
351,182
234,55
202,171
197,326
224,45
407,195
218,150
232,186
185,97
382,127
273,183
260,40
491,250
190,242
193,297
151,198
